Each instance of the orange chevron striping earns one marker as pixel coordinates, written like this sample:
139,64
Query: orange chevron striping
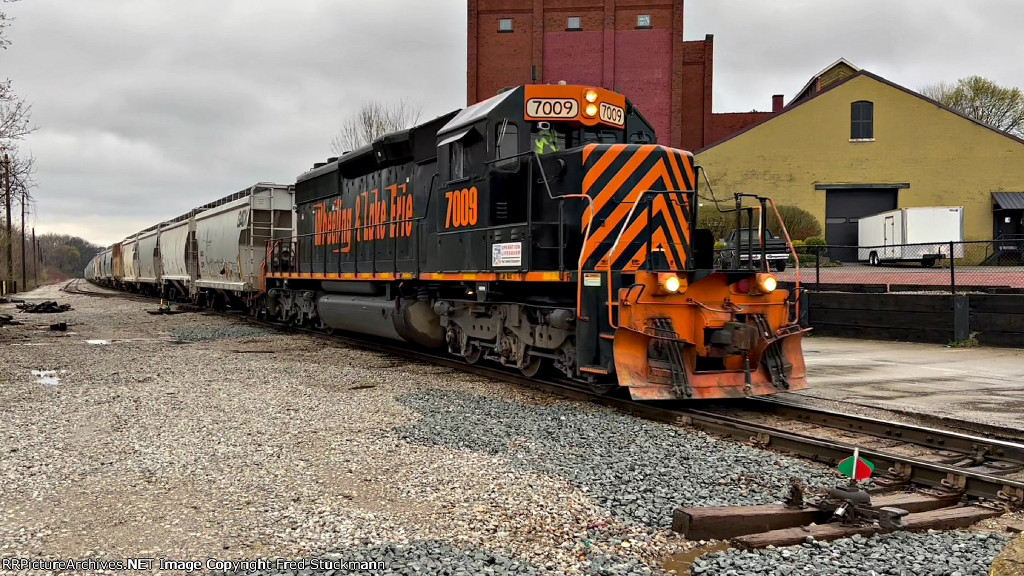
672,160
658,239
602,164
683,223
688,165
657,172
660,205
634,230
603,196
637,260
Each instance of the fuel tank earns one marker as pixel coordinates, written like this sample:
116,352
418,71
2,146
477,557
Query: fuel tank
404,320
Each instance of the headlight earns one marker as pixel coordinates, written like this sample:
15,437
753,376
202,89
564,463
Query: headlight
670,283
590,95
767,283
591,110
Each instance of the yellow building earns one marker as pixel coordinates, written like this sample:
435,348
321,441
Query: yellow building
853,144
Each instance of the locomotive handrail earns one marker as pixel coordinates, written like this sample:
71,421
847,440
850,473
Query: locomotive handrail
796,257
618,238
586,235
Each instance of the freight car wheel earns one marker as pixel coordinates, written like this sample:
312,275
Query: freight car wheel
532,366
474,355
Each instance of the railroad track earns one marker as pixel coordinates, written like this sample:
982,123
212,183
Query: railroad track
74,287
905,455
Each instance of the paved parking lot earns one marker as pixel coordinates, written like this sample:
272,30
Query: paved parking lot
983,385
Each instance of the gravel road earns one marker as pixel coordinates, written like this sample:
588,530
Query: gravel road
197,436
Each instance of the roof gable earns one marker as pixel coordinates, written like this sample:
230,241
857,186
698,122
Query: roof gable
834,72
839,81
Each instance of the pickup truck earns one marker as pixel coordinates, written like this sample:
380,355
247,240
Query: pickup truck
776,251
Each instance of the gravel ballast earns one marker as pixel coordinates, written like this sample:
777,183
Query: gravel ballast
196,436
639,470
897,554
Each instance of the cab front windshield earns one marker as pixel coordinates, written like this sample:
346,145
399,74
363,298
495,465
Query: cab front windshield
557,137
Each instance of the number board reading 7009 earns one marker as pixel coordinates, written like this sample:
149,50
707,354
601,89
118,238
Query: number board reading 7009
552,108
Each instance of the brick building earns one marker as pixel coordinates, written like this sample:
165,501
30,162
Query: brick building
634,47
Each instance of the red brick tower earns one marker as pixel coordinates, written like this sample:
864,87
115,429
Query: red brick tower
634,47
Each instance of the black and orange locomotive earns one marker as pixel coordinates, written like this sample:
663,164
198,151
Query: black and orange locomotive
541,227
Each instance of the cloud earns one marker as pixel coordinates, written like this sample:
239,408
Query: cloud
150,107
764,48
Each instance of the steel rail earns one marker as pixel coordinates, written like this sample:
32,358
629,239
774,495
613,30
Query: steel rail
898,468
1007,456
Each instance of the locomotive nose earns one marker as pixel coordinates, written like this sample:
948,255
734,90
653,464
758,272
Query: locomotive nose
704,342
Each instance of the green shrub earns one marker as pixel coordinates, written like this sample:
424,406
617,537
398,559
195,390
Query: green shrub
719,245
720,224
799,223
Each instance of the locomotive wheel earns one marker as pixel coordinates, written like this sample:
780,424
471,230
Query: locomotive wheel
532,367
474,356
603,388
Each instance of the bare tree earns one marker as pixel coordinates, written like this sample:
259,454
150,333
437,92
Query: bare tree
23,170
14,111
5,21
983,100
15,114
20,178
373,121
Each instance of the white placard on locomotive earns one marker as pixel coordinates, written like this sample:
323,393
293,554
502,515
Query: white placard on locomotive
552,108
508,254
612,114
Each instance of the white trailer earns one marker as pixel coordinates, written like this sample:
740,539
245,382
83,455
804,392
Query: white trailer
911,234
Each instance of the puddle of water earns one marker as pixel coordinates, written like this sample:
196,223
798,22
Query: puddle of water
681,562
98,342
47,377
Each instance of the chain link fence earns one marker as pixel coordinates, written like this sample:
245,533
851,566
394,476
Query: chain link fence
952,267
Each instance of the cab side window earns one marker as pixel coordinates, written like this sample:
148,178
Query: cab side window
506,141
457,162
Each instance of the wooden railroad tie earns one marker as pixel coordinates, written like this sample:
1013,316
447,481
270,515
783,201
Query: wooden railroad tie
786,525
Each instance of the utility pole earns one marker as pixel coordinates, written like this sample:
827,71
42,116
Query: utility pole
24,270
7,202
35,256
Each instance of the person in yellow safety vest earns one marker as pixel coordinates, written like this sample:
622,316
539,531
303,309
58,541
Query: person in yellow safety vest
547,141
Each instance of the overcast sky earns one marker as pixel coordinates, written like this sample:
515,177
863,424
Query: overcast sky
147,108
